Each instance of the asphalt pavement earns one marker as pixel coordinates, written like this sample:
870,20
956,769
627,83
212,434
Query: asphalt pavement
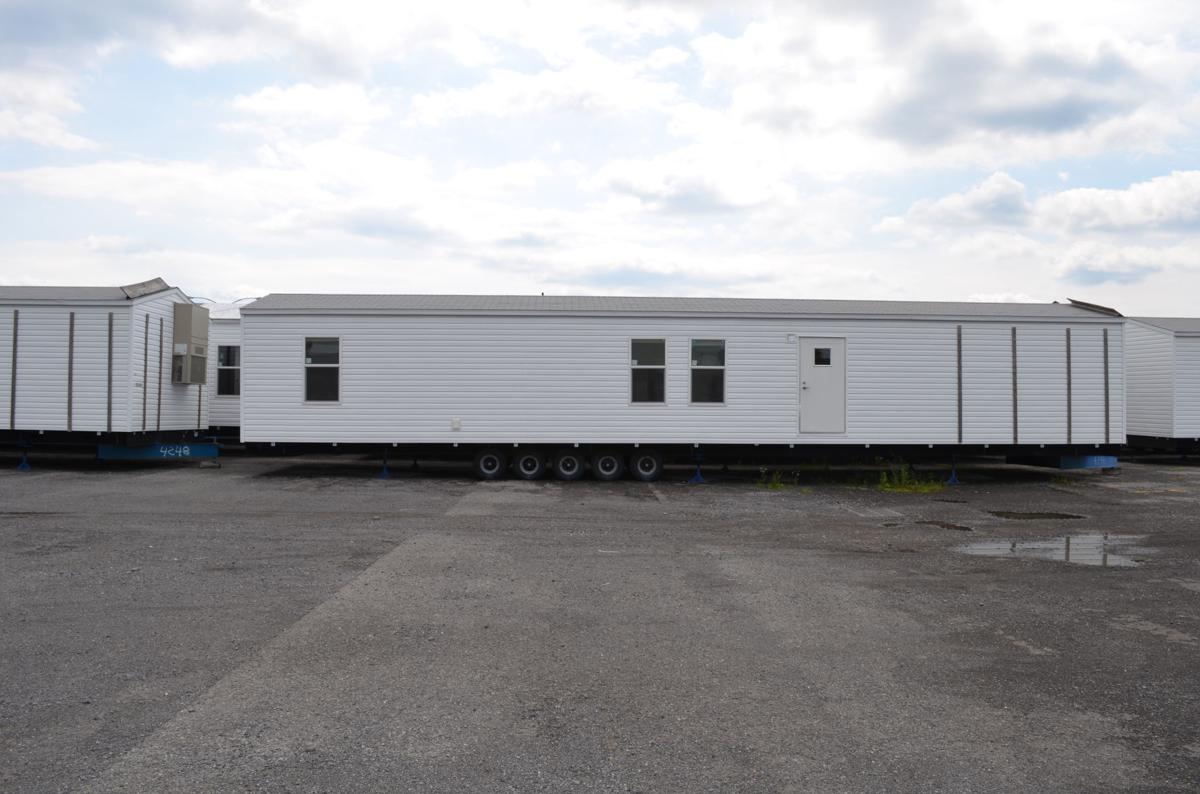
303,626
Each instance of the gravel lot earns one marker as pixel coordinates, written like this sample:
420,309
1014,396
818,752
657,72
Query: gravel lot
300,625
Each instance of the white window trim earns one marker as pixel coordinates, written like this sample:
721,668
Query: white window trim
724,368
632,367
304,380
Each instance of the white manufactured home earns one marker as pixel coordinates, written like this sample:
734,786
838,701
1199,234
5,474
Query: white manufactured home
1163,361
225,367
104,361
567,379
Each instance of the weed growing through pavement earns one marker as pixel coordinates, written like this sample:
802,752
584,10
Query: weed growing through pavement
901,479
774,482
1063,479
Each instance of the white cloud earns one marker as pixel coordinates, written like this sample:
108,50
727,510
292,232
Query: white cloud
1097,262
589,84
304,104
33,103
1004,297
349,38
1152,234
993,85
1167,201
115,244
666,57
614,146
997,201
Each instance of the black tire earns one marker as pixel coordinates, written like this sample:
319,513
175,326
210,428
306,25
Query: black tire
645,465
608,465
529,464
568,464
490,464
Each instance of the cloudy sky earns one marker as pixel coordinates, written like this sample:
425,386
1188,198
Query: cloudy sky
835,148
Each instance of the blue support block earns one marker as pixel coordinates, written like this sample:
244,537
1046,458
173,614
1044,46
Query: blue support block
1088,462
24,464
181,451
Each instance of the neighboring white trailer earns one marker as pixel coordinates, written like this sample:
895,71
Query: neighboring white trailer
225,366
610,372
1163,361
98,360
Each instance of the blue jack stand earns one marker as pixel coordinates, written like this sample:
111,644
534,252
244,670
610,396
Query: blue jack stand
953,474
385,473
698,477
24,464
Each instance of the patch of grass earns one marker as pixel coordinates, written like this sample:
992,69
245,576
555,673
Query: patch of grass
902,479
774,482
1063,479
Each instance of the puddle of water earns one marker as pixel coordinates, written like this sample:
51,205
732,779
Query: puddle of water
1103,550
1016,516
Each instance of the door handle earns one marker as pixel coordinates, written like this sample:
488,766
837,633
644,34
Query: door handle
803,385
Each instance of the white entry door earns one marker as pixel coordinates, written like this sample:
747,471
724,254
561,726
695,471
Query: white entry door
822,385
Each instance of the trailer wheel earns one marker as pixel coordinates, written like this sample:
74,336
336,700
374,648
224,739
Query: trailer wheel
489,464
607,465
646,465
529,465
568,465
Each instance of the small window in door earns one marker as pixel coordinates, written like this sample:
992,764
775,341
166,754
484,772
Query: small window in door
822,357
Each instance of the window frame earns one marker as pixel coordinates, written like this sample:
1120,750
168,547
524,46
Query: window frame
828,350
307,366
221,366
630,367
724,368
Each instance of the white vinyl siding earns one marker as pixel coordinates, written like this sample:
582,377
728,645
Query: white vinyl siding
565,379
1042,384
1087,380
6,332
90,388
226,409
1117,381
1150,362
179,401
987,384
1187,387
42,367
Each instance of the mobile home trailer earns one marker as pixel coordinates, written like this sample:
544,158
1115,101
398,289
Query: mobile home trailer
225,369
123,363
1163,361
567,381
